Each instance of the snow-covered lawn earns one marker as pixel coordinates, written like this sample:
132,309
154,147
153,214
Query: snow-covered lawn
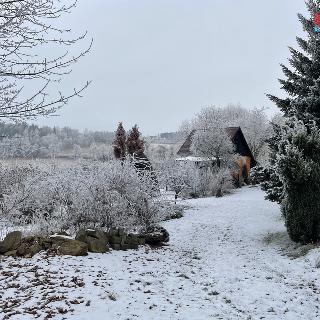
226,260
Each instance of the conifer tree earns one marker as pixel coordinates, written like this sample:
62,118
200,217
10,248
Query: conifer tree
294,174
302,85
302,81
119,144
134,144
298,166
272,184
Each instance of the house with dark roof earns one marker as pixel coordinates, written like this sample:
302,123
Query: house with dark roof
245,160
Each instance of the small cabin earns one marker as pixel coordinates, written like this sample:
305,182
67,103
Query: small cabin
245,160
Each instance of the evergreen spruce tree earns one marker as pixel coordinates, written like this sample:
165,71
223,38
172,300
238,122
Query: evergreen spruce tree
301,84
294,173
298,166
119,144
134,144
258,174
302,80
272,184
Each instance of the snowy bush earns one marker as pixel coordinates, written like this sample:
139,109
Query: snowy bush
172,175
215,183
188,180
106,195
11,176
221,183
179,176
298,167
258,175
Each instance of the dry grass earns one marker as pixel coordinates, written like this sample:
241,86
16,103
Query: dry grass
286,246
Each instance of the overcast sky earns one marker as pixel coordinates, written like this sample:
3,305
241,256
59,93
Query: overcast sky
158,62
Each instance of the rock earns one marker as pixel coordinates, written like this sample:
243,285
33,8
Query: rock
119,240
132,241
32,239
133,246
12,253
116,246
112,232
65,245
11,242
30,246
96,240
132,238
73,248
125,246
117,232
46,243
98,234
28,239
58,239
81,235
156,235
154,238
116,240
121,232
63,233
97,245
34,249
22,250
317,263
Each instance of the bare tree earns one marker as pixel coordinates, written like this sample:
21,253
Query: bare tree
211,139
185,128
253,122
27,29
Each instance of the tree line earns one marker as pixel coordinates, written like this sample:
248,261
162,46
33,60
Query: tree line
31,141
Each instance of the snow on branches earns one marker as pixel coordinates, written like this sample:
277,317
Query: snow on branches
27,29
87,195
297,165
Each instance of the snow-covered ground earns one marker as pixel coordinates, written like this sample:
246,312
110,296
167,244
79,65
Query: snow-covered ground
227,259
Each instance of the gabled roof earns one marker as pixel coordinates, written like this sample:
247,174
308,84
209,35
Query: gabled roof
232,131
236,135
185,149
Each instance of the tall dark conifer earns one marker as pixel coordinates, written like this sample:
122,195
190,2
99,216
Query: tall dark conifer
119,144
134,143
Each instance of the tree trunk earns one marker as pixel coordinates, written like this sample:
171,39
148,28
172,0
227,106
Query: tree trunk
218,162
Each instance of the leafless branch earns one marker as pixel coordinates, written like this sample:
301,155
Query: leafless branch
25,27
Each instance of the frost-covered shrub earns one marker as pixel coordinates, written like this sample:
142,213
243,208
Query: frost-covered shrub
117,195
178,176
298,167
13,175
36,199
106,195
215,182
189,180
258,175
221,184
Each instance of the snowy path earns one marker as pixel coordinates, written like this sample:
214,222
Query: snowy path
217,266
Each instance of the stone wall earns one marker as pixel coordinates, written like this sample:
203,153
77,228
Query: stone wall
86,240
